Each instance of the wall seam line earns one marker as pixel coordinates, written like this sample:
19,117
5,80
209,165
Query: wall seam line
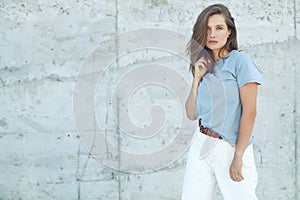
296,137
295,19
296,181
295,113
118,100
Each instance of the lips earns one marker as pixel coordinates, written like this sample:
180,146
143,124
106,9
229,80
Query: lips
212,42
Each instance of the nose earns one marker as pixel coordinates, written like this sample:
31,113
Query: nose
211,33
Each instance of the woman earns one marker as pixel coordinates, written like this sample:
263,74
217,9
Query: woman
223,99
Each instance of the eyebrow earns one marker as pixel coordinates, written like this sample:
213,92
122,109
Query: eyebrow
217,25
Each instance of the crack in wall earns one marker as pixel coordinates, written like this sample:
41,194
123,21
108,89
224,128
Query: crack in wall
52,77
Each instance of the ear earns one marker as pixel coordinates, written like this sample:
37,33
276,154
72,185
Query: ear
229,32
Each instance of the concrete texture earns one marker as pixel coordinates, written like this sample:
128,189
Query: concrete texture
42,48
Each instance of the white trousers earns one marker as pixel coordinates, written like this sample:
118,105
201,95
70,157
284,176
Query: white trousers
204,171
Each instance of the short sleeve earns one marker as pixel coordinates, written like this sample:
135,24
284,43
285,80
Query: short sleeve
247,71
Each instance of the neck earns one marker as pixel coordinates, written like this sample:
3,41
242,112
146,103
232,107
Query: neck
222,54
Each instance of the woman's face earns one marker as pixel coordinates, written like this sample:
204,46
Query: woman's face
217,33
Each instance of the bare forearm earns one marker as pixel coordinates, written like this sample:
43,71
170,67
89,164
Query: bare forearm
191,102
248,94
245,131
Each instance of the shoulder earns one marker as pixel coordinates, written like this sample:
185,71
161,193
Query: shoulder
243,60
246,69
241,56
236,59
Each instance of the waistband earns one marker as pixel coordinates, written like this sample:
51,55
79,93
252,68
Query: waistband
208,131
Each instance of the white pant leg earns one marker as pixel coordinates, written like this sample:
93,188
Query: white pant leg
221,159
199,178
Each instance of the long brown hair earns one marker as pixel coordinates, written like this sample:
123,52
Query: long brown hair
196,46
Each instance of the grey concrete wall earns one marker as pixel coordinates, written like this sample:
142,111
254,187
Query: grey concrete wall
43,46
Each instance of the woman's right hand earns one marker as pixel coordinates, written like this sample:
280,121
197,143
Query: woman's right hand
200,68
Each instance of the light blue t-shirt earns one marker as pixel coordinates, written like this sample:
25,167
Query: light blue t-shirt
218,101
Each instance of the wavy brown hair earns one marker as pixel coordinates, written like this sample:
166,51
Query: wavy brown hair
196,46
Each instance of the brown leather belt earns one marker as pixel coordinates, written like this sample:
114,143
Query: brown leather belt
208,131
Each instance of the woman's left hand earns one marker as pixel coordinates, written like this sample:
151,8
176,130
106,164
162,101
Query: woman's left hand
235,170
